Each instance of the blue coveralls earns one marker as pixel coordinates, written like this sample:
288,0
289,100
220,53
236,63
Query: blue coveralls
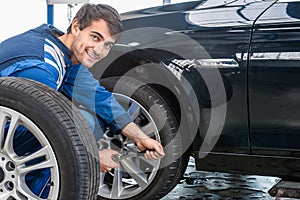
39,55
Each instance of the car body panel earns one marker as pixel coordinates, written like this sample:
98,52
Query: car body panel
274,86
189,40
220,39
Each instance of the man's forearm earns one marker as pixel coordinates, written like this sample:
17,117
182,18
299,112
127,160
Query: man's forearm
133,132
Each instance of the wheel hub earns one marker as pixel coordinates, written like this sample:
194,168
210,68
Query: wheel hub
8,174
114,142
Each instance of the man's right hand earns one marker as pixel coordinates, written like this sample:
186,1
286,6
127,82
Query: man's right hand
154,150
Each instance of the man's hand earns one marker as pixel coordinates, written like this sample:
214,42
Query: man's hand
154,149
106,162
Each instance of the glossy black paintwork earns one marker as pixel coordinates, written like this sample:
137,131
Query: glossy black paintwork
221,38
258,43
274,81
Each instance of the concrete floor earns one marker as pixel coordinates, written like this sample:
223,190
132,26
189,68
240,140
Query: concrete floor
215,186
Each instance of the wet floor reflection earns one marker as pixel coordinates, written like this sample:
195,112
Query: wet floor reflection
215,186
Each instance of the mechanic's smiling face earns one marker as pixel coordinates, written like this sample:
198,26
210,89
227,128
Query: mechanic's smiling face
92,43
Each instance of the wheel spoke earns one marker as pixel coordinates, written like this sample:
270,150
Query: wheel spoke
149,129
43,152
3,121
24,191
135,172
117,186
8,143
153,163
41,165
134,110
102,176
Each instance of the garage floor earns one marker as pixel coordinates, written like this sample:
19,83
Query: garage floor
214,186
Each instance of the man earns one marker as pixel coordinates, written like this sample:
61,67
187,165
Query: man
58,60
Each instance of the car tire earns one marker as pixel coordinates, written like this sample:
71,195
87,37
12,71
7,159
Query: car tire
65,143
171,167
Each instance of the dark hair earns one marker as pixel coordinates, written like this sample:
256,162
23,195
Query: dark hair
91,12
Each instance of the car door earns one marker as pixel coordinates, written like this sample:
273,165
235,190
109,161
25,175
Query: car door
274,81
224,31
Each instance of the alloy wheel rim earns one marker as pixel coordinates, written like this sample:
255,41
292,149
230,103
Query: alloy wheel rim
136,172
16,167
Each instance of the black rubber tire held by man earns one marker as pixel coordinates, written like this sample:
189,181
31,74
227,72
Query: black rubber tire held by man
66,130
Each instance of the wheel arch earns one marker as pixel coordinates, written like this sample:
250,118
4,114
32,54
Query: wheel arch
146,65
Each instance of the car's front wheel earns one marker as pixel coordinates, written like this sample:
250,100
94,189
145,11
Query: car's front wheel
139,178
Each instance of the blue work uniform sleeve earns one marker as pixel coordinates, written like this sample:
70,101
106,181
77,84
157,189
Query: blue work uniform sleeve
36,70
81,85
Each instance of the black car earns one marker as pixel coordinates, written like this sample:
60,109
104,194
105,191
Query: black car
215,79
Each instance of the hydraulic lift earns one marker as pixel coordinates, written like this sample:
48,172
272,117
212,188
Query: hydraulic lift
50,6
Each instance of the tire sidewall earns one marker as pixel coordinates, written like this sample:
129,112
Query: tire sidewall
161,115
56,134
